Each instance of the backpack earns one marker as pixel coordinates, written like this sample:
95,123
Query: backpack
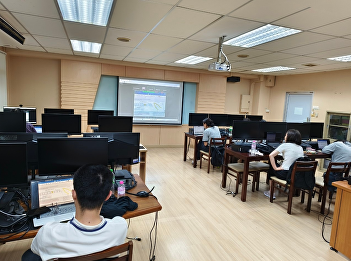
303,180
217,155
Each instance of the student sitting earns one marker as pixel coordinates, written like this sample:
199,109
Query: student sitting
87,232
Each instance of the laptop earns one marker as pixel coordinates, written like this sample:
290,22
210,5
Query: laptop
322,143
199,130
273,139
57,195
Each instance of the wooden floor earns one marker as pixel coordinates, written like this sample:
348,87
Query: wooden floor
199,222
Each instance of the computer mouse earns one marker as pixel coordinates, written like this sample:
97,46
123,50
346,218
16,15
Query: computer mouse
142,194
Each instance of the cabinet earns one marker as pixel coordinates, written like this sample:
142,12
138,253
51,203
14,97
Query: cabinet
337,126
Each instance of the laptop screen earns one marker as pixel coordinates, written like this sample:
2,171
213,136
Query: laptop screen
199,129
322,143
52,192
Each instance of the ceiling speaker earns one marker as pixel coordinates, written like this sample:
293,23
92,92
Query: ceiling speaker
233,79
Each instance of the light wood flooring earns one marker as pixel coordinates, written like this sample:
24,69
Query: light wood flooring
199,222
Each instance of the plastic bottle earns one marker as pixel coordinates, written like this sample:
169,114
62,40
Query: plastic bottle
230,130
253,148
121,189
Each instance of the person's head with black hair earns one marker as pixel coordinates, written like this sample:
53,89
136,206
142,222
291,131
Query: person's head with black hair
208,123
293,136
92,186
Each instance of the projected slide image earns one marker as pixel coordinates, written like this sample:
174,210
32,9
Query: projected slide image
149,103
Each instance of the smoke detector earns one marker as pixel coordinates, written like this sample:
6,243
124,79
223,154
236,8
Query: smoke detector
222,64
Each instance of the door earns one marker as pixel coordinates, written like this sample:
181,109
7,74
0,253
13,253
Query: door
298,107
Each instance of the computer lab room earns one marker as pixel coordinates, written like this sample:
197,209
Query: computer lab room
138,85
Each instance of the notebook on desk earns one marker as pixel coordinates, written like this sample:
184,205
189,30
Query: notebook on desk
55,194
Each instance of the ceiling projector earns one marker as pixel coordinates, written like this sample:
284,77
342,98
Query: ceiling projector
217,66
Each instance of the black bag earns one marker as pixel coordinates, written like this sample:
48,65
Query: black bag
217,155
303,180
265,148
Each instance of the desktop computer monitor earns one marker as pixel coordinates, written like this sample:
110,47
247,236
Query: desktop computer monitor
254,117
31,113
115,123
195,119
16,136
273,137
58,156
13,164
303,128
316,130
108,135
219,119
93,116
70,123
247,130
274,127
234,117
12,122
60,111
124,149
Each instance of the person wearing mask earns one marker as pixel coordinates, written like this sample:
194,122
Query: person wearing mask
290,150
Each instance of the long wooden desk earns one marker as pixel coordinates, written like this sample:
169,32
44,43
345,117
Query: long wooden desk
246,158
197,139
146,205
341,228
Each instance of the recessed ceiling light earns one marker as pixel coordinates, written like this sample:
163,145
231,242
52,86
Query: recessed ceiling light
193,59
346,58
123,39
86,11
261,35
274,69
87,47
243,55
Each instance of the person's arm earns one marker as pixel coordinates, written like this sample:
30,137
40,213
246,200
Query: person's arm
272,160
329,149
205,138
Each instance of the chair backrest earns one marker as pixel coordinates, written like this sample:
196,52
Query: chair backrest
302,175
218,141
126,247
340,167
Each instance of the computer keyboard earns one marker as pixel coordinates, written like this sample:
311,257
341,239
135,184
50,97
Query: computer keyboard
57,214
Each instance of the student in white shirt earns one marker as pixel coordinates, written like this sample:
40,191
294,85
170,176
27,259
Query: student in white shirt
290,150
87,232
211,131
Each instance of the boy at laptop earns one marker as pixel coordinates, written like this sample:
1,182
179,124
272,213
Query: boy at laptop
87,232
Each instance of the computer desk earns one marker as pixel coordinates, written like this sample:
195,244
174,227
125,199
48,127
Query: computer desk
246,158
197,139
146,205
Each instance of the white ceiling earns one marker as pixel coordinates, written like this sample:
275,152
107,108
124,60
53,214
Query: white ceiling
163,31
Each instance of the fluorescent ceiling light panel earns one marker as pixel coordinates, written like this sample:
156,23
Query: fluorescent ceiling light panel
87,47
346,58
261,35
192,59
274,69
86,11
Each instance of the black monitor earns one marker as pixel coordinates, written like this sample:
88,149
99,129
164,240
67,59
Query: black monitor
108,135
254,117
16,136
274,127
303,128
235,117
12,122
13,164
115,123
219,119
31,113
70,123
124,149
316,130
58,156
247,130
61,111
195,119
45,135
93,116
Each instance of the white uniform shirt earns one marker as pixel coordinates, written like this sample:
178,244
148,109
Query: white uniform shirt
55,240
211,132
290,152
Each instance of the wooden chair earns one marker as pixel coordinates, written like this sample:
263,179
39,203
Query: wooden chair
299,166
237,169
204,155
260,167
126,247
322,182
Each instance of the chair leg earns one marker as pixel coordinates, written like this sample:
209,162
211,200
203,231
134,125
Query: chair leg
271,190
237,183
302,196
258,181
200,160
324,198
290,198
253,182
320,194
208,164
309,201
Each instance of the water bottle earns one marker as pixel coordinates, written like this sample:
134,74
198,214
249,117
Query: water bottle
121,189
230,130
253,148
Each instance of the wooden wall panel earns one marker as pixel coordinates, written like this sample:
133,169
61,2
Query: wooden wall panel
181,76
149,134
113,70
173,135
80,72
145,73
